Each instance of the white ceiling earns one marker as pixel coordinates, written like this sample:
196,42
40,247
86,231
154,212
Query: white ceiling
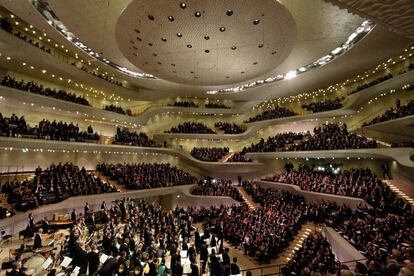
206,42
321,27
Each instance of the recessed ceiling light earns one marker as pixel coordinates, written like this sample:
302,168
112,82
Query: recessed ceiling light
233,47
207,51
163,39
171,18
206,37
261,45
179,34
151,17
183,5
256,21
189,46
229,12
197,14
222,29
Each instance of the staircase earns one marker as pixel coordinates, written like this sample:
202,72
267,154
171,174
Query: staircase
247,198
306,230
401,189
226,157
119,187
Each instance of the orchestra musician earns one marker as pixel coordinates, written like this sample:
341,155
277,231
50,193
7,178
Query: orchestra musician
38,239
74,215
17,269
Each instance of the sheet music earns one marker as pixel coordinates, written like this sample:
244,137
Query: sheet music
183,254
66,262
103,258
47,263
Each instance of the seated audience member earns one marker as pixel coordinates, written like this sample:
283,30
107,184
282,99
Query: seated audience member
332,137
61,131
53,185
215,187
118,109
315,256
323,106
209,154
360,183
229,128
399,111
39,89
275,113
216,105
146,175
124,136
184,104
191,127
276,143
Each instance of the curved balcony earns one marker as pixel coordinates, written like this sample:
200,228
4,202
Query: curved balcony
28,149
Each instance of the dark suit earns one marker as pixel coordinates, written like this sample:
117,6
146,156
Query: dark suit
93,262
194,270
234,269
109,267
37,241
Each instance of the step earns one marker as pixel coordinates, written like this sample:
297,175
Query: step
401,189
247,198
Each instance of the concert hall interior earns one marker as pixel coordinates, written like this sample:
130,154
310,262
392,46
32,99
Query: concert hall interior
188,137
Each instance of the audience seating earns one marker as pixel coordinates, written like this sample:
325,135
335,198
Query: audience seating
191,127
39,89
275,113
216,105
146,175
323,106
360,183
209,154
229,128
124,136
217,187
54,184
118,109
399,111
61,131
184,104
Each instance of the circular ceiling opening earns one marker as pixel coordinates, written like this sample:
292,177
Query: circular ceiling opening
222,41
